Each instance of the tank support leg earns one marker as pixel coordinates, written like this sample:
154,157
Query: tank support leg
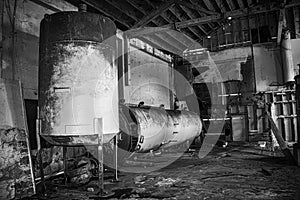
98,128
65,149
116,158
39,152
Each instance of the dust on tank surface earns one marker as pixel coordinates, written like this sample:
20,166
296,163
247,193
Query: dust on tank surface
77,78
150,128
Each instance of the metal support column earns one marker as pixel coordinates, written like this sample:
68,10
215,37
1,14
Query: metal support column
98,129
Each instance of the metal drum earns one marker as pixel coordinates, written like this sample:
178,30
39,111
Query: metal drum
77,78
150,128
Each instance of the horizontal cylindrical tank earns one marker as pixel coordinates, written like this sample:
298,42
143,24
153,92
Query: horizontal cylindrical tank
150,128
77,78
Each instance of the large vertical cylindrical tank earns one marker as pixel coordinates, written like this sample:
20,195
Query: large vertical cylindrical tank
77,78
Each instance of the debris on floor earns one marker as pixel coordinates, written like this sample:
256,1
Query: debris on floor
242,173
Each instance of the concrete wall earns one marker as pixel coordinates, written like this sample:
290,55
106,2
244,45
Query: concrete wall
26,47
268,67
296,54
150,79
267,62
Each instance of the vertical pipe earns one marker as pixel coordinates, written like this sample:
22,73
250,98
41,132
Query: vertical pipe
39,149
279,111
126,60
287,119
120,64
116,157
294,107
274,117
268,99
297,80
251,119
65,163
260,123
252,52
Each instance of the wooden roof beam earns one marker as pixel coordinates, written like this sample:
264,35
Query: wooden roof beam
249,2
209,6
170,40
196,7
140,8
184,40
230,4
156,12
192,29
125,8
234,14
95,4
166,18
192,16
241,3
221,6
171,31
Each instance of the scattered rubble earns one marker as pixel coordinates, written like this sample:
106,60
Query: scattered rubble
15,174
238,176
166,182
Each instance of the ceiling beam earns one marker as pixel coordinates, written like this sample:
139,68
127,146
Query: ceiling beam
148,18
139,8
172,32
208,4
55,6
183,40
249,2
101,8
192,16
230,4
221,6
123,7
234,14
196,7
214,18
161,44
170,40
241,3
179,18
210,7
169,20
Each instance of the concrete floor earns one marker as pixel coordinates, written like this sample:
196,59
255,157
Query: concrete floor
234,172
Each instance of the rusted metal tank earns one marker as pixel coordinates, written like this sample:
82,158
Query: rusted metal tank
77,78
150,128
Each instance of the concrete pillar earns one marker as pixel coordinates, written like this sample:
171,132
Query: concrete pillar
287,59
